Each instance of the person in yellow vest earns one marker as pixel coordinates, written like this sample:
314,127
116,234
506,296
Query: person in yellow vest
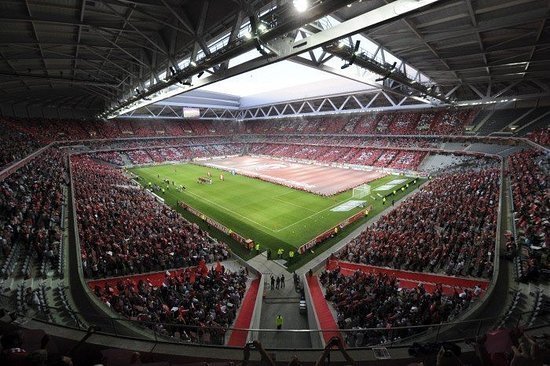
402,189
257,248
279,321
394,192
290,256
280,252
384,200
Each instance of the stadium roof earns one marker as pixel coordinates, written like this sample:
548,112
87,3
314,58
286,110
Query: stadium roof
121,54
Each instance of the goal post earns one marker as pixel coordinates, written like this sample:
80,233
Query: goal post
361,191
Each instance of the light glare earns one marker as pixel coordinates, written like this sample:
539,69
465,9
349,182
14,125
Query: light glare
301,5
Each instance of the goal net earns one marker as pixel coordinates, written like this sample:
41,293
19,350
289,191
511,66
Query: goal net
361,191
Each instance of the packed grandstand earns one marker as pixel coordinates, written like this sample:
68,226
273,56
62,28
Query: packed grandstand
134,247
393,214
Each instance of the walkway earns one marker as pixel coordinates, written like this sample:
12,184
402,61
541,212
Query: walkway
283,301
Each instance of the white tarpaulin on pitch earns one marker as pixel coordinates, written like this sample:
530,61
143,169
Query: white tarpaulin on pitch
347,206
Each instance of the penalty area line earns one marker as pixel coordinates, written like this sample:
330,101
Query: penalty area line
310,216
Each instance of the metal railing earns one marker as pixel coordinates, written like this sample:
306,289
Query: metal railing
273,338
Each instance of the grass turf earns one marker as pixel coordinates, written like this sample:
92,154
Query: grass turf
273,215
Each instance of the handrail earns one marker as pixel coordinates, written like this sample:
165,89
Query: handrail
486,320
13,166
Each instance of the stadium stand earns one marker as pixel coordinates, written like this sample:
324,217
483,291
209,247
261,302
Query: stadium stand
499,119
30,216
529,181
193,305
364,300
15,144
410,236
393,123
125,230
537,119
439,162
169,168
113,157
541,137
139,157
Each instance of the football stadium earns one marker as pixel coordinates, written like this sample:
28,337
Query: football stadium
274,182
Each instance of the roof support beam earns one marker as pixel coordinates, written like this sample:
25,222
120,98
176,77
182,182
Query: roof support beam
64,21
539,34
127,21
234,34
478,36
488,25
183,20
22,76
384,14
105,59
124,51
78,34
37,40
413,28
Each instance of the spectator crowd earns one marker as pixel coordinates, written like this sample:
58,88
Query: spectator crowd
540,136
365,300
448,226
30,211
528,171
194,305
124,230
15,145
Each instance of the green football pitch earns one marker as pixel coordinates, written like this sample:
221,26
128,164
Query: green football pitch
273,215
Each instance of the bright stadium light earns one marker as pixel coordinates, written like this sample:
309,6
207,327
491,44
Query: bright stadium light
301,5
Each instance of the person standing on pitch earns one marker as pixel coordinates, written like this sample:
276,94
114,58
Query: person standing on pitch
279,321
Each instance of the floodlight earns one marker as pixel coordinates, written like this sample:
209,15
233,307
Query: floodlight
185,82
301,5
